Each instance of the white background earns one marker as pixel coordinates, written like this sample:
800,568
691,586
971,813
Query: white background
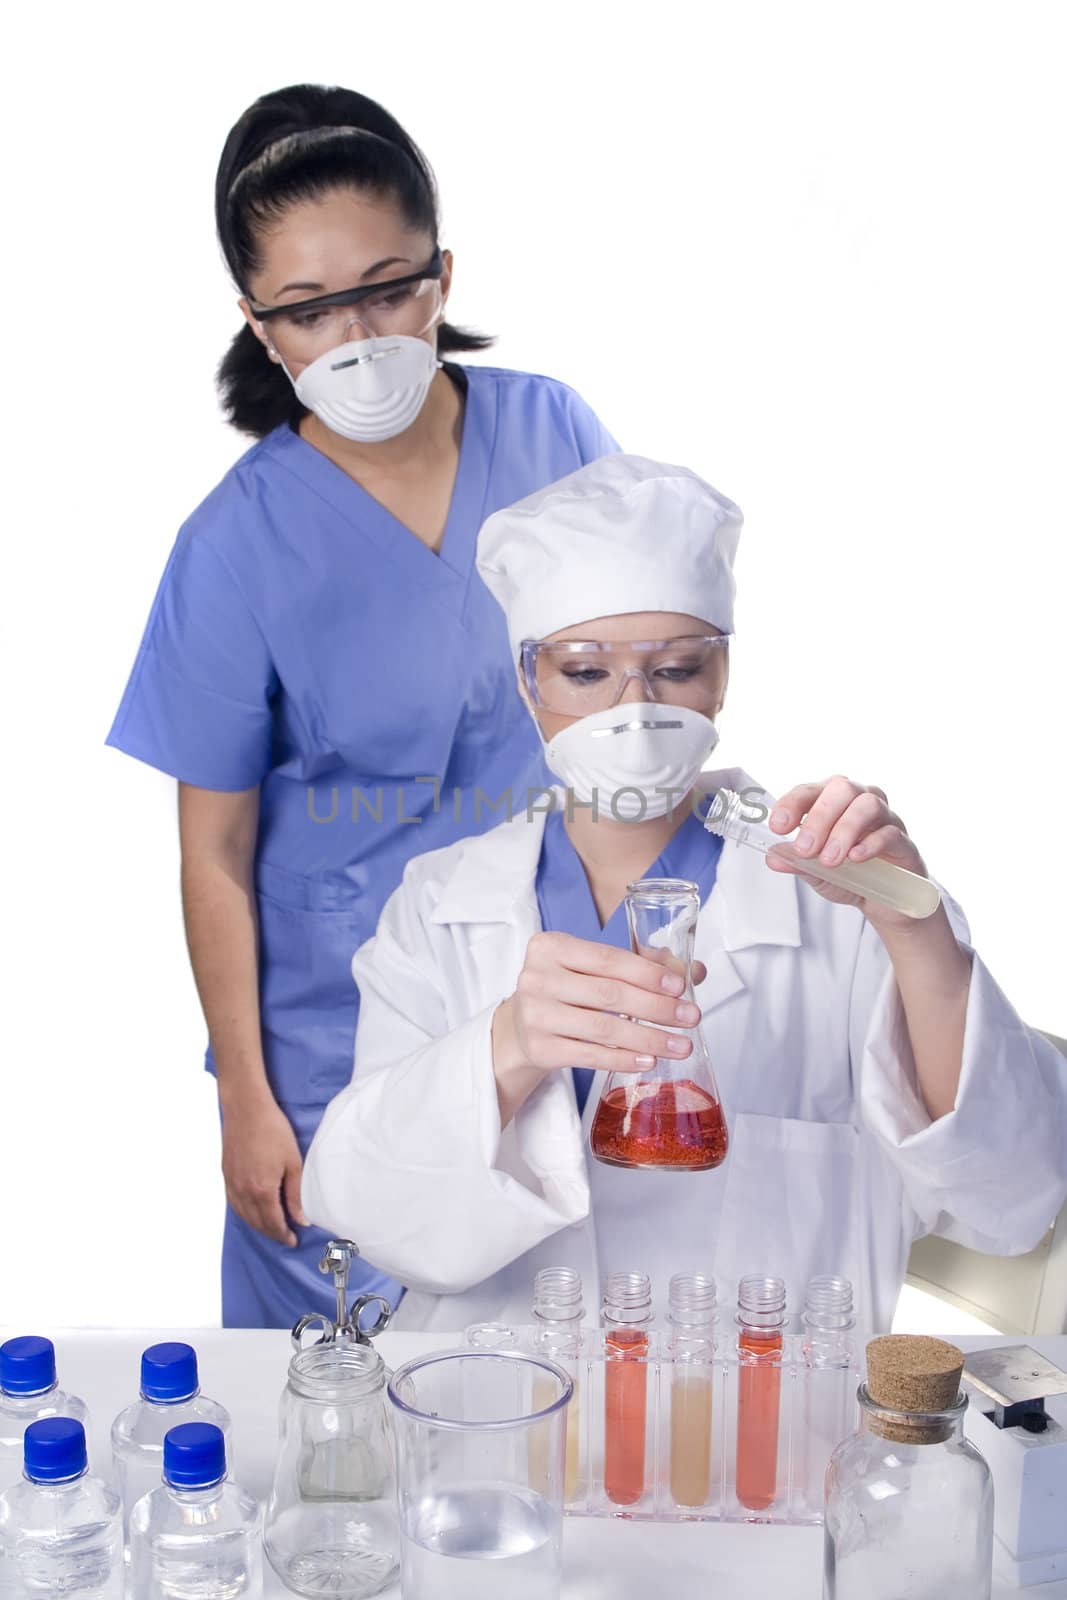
816,252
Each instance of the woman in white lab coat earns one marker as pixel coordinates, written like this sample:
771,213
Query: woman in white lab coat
877,1084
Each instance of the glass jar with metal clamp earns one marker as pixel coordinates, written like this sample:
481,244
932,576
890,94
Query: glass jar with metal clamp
331,1523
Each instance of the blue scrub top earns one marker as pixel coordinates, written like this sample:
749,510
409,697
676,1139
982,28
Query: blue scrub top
304,640
566,903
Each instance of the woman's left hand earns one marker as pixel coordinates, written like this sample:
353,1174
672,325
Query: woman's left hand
844,820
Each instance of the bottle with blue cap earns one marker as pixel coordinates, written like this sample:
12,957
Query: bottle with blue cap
170,1395
197,1533
60,1528
29,1390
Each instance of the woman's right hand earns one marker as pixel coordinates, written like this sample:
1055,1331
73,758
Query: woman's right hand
571,1008
262,1166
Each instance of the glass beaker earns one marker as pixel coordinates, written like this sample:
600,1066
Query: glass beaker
670,1116
480,1472
331,1524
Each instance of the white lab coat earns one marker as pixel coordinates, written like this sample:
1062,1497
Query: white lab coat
833,1165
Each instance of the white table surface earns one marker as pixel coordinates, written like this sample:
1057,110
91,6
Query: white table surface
604,1559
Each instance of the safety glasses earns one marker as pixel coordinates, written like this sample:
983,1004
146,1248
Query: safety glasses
305,329
578,677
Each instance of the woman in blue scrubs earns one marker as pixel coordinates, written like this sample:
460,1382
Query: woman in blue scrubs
323,670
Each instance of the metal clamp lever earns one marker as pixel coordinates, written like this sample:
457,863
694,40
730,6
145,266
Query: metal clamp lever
337,1259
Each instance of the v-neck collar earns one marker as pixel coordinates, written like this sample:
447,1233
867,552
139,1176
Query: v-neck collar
452,568
563,888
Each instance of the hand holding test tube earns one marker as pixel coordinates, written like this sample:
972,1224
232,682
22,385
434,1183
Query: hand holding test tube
841,837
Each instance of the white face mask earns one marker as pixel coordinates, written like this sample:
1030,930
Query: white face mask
642,747
368,389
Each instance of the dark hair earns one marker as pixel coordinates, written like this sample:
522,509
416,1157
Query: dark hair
332,138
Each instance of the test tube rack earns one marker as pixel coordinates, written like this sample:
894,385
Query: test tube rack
744,1441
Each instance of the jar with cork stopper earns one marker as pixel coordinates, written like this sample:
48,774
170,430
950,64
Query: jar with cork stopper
909,1500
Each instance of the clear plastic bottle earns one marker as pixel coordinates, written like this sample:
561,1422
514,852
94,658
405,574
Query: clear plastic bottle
626,1315
670,1116
909,1500
60,1529
29,1390
558,1313
761,1316
828,1385
693,1316
170,1395
197,1535
879,880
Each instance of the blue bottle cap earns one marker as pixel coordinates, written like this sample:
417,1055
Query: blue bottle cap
169,1373
54,1450
194,1456
27,1366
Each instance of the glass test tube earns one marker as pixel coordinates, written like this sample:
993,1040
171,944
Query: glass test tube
879,880
829,1386
626,1313
760,1319
693,1316
558,1312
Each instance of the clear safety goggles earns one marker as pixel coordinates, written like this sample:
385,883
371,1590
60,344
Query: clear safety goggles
306,329
578,677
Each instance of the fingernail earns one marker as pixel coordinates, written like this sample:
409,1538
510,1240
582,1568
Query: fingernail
645,1061
673,982
687,1014
804,841
780,819
678,1047
860,849
831,853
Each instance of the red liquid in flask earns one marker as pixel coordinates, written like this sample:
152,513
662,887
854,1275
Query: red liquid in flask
668,1123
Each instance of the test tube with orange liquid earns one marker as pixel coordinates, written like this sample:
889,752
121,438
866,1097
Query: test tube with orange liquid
626,1315
761,1317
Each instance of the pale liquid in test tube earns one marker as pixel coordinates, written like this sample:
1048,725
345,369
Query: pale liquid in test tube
543,1395
558,1310
690,1438
693,1316
730,817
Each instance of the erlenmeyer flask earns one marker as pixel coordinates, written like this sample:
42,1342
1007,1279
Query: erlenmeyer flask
670,1116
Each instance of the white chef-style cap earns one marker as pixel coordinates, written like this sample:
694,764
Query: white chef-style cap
621,534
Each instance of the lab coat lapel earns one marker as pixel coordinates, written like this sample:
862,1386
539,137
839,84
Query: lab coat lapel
749,905
494,879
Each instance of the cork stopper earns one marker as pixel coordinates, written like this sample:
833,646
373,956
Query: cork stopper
912,1374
